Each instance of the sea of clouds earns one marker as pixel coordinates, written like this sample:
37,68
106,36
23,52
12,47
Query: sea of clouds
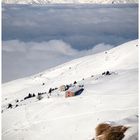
35,38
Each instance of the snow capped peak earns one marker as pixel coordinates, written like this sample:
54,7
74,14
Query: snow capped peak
67,1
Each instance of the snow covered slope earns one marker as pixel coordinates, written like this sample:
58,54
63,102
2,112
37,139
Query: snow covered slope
110,97
67,1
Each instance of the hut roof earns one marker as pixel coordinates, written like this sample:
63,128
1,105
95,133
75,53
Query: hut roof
74,89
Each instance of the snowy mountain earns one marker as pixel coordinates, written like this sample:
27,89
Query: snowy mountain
67,1
110,83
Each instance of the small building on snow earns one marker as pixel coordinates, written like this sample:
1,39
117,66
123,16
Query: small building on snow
74,91
62,88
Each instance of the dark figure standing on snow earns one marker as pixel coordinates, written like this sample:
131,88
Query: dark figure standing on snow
10,105
50,91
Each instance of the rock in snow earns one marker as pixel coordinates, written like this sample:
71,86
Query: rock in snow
112,98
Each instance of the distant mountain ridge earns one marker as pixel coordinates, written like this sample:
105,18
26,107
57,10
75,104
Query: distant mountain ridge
68,1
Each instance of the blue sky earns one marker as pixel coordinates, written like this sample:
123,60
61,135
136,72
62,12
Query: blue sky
35,38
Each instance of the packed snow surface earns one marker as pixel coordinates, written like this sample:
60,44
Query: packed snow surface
112,98
68,1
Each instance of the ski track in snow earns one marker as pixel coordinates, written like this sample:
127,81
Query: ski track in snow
100,99
29,124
